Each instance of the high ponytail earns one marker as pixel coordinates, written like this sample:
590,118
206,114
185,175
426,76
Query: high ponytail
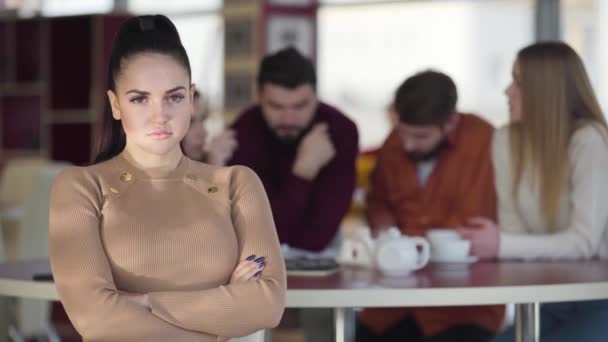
147,33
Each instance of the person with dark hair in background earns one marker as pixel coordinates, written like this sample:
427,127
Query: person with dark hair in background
433,171
146,244
194,145
303,150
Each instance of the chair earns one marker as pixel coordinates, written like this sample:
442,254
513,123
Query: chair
34,225
16,185
32,242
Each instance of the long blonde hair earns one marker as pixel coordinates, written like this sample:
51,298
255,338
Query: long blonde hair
557,99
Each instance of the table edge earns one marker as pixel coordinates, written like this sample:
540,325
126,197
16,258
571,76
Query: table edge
457,296
384,297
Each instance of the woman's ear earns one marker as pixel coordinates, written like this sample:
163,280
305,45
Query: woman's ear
114,104
192,91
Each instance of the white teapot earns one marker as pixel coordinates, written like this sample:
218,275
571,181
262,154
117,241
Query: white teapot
397,254
392,253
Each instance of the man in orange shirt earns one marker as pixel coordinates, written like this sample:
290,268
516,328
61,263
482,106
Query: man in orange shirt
433,171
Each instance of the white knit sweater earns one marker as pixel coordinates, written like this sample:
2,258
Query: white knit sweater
582,229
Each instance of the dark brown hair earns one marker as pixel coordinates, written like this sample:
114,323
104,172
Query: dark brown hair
287,68
148,33
427,98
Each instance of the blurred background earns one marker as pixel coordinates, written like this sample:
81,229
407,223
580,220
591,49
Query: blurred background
52,55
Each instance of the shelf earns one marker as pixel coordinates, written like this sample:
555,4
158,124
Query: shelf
4,51
9,153
241,64
36,88
71,142
70,116
28,50
20,122
70,64
52,84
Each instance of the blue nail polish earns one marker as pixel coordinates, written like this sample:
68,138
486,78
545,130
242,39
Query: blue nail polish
261,265
251,257
260,259
257,274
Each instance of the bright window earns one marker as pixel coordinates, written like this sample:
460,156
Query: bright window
367,50
585,28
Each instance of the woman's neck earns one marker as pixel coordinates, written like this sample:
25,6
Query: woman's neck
145,160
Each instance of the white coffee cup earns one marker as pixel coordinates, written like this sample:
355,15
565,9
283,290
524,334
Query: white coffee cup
450,250
439,235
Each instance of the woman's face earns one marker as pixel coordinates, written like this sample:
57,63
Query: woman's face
153,99
513,93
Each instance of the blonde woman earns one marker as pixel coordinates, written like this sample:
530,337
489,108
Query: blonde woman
551,169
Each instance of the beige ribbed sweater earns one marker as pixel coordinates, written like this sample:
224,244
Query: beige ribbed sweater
178,237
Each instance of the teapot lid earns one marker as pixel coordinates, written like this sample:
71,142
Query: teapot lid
390,233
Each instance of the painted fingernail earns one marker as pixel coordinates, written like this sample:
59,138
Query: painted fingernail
251,257
260,259
258,274
261,265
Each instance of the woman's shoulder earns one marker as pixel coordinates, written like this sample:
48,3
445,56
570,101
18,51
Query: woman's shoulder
500,143
90,181
501,134
80,174
226,175
590,132
589,141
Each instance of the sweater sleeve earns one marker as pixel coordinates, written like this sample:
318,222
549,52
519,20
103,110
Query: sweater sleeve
82,273
308,214
589,203
236,309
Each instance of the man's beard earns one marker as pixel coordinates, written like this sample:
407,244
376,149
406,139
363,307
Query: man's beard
426,156
291,139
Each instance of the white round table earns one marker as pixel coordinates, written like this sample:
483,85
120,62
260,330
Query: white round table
524,283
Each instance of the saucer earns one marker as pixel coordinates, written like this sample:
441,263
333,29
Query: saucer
468,260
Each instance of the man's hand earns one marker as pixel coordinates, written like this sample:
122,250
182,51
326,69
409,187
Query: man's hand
315,151
221,148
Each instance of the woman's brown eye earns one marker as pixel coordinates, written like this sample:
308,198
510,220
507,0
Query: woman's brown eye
176,98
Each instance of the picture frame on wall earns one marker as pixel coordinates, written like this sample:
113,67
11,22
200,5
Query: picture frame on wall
291,30
238,89
239,37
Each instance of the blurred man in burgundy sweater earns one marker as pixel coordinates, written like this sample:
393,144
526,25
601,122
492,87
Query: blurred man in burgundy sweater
303,150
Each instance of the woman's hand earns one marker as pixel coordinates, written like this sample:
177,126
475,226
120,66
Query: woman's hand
248,269
484,235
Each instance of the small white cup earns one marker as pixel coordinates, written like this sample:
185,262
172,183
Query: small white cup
450,250
439,235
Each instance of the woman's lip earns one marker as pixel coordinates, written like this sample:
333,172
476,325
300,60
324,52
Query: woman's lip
160,131
160,134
